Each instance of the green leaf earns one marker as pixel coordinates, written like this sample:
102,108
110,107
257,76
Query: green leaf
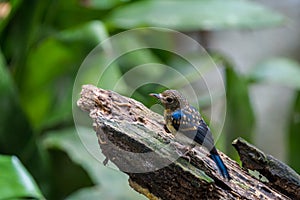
66,14
97,192
86,193
50,71
15,130
294,136
103,4
8,10
15,181
22,32
135,61
67,140
281,71
125,52
16,134
191,15
240,117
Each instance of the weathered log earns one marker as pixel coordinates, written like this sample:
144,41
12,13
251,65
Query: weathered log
278,175
133,138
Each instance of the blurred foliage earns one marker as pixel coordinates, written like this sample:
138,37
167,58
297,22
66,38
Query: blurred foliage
44,43
281,71
240,117
68,141
191,15
16,182
294,136
284,72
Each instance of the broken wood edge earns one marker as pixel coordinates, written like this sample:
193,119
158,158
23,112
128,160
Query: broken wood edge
279,175
110,111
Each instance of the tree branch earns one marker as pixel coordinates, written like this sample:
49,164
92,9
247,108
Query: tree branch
133,138
278,175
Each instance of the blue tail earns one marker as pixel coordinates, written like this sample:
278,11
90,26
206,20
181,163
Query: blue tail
222,168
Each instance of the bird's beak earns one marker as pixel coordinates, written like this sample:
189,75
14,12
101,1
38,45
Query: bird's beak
158,96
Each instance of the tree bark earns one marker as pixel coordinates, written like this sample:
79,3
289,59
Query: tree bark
133,138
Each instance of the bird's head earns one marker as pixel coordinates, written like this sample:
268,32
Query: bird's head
171,99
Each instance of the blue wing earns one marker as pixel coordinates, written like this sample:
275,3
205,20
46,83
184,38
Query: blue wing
204,136
200,134
190,123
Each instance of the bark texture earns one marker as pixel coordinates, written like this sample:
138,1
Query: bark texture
133,138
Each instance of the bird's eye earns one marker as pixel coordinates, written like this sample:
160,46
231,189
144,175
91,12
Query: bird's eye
169,100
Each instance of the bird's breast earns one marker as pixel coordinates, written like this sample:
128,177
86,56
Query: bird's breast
168,120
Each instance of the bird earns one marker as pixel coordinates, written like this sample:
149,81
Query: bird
180,117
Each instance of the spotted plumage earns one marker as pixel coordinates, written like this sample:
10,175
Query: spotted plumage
186,122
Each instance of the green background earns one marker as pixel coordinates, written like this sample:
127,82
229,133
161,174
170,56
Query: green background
42,45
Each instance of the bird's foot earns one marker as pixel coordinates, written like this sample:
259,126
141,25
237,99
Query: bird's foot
188,158
183,151
101,140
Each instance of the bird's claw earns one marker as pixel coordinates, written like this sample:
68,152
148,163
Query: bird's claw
183,151
186,157
101,140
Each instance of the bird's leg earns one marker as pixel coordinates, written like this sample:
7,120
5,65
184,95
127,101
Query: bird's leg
183,150
101,139
190,149
105,161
